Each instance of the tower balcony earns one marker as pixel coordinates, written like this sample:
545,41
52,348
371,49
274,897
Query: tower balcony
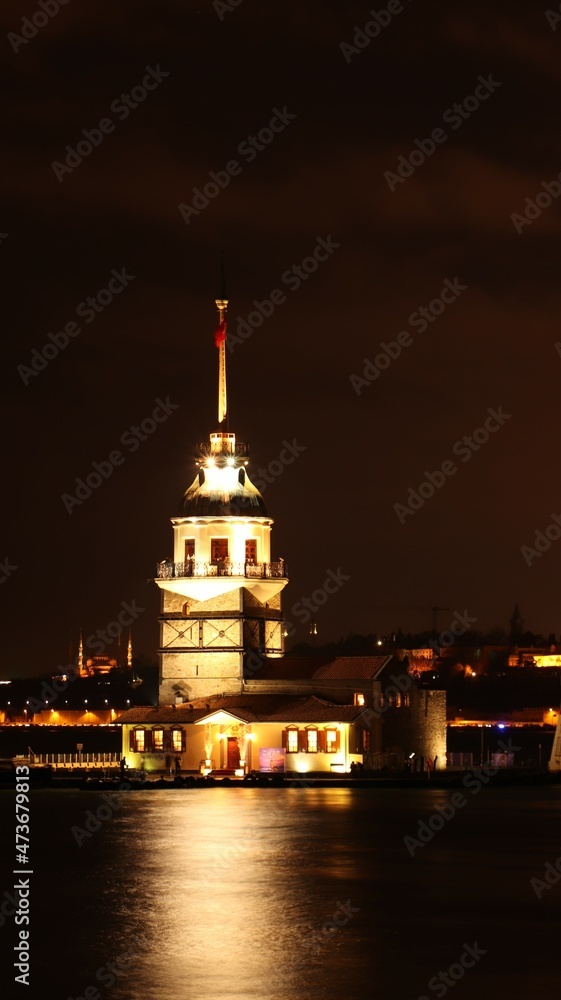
223,445
167,570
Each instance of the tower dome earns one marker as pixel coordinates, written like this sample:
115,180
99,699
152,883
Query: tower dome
222,487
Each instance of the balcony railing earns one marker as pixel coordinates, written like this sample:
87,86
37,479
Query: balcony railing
240,449
166,570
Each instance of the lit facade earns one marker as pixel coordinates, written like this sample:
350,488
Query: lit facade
318,715
221,608
534,658
246,734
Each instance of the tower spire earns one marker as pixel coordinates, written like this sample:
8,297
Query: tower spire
129,650
220,341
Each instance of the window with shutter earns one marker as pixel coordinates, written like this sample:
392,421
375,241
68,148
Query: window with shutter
290,740
322,743
157,739
139,740
167,740
177,740
302,740
331,740
312,741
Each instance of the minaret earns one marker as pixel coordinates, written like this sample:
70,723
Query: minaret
220,597
81,672
516,624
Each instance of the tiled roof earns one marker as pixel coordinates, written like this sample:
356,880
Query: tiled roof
164,713
249,708
322,668
351,667
315,710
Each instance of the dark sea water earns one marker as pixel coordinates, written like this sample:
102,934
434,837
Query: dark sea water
223,894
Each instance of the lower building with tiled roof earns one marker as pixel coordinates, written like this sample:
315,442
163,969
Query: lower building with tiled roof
300,714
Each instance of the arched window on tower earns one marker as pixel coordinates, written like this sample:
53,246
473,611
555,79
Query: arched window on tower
218,549
251,551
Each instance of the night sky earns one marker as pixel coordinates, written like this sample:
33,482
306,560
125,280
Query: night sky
330,173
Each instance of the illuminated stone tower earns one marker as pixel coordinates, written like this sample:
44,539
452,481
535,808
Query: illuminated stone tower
220,597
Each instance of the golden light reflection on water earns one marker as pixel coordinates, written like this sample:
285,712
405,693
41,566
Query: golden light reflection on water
235,887
277,894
